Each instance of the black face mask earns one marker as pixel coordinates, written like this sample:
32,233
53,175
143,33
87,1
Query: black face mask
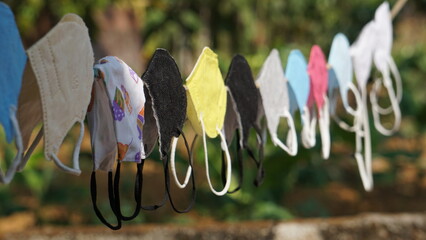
243,113
163,82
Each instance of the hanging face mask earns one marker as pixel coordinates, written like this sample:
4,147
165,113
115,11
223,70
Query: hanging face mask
317,69
340,73
164,86
122,91
241,114
12,64
362,52
62,66
297,74
104,145
206,96
273,90
384,62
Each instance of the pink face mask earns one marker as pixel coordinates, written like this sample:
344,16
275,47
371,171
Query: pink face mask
318,73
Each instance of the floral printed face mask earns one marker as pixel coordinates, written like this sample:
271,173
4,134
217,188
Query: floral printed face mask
126,96
164,86
119,93
242,113
206,95
318,73
12,64
61,64
297,74
273,90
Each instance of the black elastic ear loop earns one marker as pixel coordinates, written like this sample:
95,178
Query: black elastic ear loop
137,192
240,165
167,178
93,192
259,163
149,207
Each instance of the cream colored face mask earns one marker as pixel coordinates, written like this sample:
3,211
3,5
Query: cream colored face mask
206,108
62,64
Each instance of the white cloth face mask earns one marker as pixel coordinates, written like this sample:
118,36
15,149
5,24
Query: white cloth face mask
384,62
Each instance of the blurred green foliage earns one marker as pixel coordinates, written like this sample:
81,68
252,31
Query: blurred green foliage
251,28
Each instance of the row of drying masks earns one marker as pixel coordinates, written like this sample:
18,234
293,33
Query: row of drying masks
129,115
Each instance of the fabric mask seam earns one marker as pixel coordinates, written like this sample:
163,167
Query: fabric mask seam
55,67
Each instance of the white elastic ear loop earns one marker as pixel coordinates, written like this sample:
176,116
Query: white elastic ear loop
354,112
308,128
6,179
376,111
228,161
398,84
394,99
76,165
364,161
173,166
324,127
291,147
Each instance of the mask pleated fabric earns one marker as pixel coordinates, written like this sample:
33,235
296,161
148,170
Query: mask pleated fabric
169,105
61,73
273,89
12,65
206,107
241,115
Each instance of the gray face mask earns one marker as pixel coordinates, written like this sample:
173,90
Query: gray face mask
167,95
242,114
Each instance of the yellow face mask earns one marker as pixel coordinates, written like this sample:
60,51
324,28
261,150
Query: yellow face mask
206,95
206,106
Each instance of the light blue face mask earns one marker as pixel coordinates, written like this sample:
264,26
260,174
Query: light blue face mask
298,78
340,60
12,64
297,74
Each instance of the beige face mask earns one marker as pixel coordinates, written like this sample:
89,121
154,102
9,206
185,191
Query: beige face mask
61,64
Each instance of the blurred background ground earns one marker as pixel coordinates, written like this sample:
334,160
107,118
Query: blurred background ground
304,186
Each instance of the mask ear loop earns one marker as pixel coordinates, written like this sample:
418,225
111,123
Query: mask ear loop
111,197
259,163
324,127
149,207
240,165
173,165
291,137
167,178
394,99
206,159
354,112
363,131
137,192
76,165
10,173
308,129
